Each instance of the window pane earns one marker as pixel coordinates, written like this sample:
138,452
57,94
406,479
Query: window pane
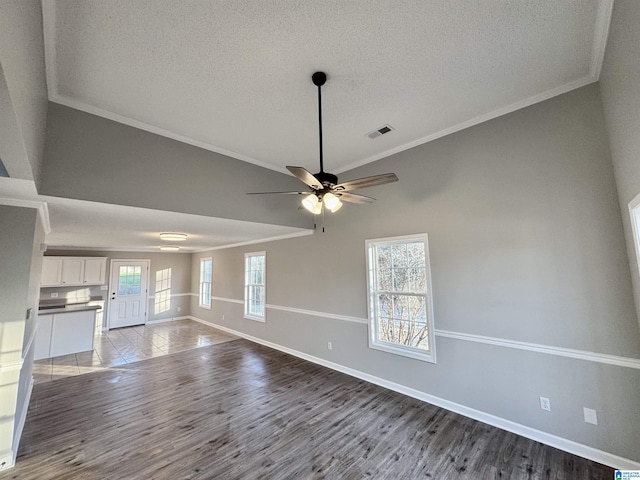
400,280
399,255
129,280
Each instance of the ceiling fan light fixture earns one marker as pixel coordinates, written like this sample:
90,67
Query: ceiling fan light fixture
310,202
337,207
169,248
173,236
332,202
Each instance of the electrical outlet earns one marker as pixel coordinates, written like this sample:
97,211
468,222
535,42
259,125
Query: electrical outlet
223,316
545,404
329,346
179,308
590,416
104,287
54,294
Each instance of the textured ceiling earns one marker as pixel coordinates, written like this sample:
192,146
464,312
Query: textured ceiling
81,225
234,76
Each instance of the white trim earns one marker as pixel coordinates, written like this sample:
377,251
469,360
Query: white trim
600,36
302,311
566,445
230,300
313,313
41,207
174,295
17,433
554,92
586,355
27,347
534,347
285,236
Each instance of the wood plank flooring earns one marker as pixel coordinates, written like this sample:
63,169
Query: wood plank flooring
238,410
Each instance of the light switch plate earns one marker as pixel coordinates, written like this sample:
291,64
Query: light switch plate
590,416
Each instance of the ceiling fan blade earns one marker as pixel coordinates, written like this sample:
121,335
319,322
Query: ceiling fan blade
354,197
366,182
306,177
281,193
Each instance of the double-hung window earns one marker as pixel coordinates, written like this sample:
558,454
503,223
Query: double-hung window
255,285
400,301
205,282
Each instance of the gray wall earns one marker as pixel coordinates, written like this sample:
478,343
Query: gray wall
179,263
526,244
92,158
20,256
22,60
620,87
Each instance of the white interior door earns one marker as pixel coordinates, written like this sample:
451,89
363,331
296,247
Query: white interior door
128,293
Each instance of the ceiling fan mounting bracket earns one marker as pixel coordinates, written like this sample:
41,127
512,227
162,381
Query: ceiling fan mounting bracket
319,78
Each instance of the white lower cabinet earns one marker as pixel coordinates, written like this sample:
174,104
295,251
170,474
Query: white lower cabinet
64,333
42,346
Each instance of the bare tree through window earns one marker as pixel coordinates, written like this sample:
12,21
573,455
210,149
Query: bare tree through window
399,292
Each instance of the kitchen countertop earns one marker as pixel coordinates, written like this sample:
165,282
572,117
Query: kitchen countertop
68,309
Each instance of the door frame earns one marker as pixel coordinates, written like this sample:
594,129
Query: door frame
146,293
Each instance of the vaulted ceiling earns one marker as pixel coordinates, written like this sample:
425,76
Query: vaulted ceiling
234,76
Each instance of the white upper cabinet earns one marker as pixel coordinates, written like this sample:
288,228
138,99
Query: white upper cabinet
94,270
73,271
51,271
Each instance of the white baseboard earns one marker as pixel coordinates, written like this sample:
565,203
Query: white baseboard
172,319
569,446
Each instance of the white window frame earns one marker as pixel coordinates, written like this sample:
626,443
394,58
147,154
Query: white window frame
372,304
207,301
634,211
248,285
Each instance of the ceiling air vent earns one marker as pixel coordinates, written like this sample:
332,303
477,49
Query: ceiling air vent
380,131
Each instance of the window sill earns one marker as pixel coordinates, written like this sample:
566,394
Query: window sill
208,307
429,357
255,319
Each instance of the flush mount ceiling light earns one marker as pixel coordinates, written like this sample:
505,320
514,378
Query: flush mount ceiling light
324,187
173,237
169,248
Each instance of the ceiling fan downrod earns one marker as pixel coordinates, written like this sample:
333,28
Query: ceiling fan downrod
319,79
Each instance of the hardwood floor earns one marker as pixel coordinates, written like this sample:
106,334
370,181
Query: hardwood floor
238,410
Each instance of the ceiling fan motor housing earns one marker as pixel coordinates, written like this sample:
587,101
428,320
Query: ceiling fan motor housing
326,178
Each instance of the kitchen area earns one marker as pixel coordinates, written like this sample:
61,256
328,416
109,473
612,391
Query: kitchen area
75,334
72,299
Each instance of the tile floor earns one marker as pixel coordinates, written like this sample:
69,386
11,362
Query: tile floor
128,345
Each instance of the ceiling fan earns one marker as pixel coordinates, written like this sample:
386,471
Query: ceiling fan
324,187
